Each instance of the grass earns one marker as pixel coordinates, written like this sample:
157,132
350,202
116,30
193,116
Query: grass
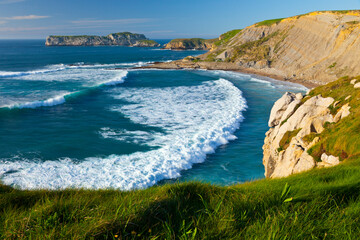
322,203
269,22
226,37
340,139
147,41
332,65
285,141
256,50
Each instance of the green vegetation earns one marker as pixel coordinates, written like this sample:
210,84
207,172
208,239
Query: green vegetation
332,65
256,50
353,22
147,41
340,139
285,141
269,22
322,203
226,37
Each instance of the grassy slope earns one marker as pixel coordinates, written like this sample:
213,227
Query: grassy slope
317,204
340,139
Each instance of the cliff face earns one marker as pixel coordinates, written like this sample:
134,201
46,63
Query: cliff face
317,130
190,43
120,39
319,47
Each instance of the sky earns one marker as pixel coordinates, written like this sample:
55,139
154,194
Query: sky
157,19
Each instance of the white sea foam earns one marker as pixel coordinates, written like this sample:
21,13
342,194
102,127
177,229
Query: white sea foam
40,103
273,83
195,119
118,77
52,68
137,137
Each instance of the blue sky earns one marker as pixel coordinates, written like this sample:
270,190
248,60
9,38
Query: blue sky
35,19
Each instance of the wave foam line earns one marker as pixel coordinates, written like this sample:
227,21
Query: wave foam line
197,119
60,99
53,68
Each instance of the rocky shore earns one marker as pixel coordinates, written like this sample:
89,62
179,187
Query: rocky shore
189,64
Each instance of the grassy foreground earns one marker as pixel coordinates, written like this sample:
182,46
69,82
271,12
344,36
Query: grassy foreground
319,204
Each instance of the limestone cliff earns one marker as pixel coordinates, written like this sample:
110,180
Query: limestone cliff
119,39
190,43
318,47
315,130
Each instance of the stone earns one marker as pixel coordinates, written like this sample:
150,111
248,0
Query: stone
353,81
280,107
329,159
357,85
343,112
308,118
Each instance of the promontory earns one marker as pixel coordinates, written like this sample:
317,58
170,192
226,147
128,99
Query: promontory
114,39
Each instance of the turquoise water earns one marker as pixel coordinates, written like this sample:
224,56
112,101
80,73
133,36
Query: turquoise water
82,117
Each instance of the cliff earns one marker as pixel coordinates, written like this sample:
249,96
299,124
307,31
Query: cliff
315,130
314,48
119,39
190,43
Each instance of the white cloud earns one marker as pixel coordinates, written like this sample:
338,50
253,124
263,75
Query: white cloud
20,29
2,22
10,1
112,21
28,17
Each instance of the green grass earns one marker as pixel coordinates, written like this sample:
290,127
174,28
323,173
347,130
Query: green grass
340,139
285,141
256,50
332,65
226,37
147,41
313,205
269,22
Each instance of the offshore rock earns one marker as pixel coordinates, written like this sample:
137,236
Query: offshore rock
114,39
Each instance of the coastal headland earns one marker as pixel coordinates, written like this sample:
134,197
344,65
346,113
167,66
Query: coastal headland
312,49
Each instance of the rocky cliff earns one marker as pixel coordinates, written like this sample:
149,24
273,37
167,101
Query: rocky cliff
190,43
315,130
318,47
119,39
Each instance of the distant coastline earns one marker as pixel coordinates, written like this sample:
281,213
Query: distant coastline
114,39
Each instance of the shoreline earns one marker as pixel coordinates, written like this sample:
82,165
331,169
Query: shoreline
183,64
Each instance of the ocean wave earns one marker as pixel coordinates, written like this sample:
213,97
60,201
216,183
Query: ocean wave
195,119
60,99
52,68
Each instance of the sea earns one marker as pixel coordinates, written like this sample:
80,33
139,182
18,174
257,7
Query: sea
85,117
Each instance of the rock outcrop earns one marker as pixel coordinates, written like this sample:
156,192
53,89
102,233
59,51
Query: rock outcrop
189,44
292,119
118,39
318,47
